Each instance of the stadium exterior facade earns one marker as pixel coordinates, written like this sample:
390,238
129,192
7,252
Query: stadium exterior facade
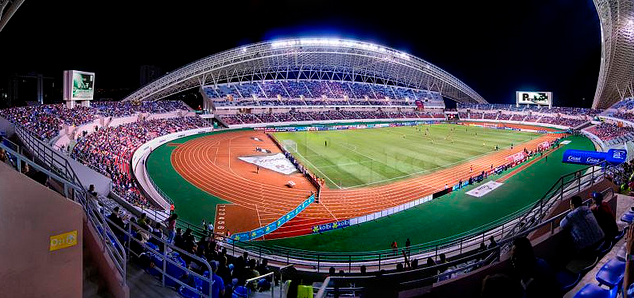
311,59
616,75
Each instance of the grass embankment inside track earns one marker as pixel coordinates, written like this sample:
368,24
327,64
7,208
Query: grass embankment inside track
192,204
447,216
354,158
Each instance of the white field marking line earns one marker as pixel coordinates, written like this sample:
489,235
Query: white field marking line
420,172
258,213
333,216
316,168
216,156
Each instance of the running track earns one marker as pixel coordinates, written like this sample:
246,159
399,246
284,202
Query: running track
211,164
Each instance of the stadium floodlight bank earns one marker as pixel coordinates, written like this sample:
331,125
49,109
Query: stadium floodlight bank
311,59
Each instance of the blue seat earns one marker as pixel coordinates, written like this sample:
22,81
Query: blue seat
152,246
174,271
619,235
604,248
205,284
241,292
611,273
628,217
158,262
187,293
595,291
567,280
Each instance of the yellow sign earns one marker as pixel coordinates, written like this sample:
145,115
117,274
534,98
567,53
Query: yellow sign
63,240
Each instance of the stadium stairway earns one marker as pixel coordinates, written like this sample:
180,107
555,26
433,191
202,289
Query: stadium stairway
92,284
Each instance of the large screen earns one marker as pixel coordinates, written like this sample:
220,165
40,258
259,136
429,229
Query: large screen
534,98
79,85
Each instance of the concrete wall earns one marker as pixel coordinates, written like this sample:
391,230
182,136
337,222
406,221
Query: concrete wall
29,214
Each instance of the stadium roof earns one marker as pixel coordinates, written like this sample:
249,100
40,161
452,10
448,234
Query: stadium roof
311,59
616,75
7,9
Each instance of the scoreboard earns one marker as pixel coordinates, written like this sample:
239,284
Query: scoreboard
534,98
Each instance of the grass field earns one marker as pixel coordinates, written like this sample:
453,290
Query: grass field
354,158
449,216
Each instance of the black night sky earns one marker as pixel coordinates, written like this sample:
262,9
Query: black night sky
541,45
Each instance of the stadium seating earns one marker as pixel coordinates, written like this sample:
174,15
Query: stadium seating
319,93
109,150
46,121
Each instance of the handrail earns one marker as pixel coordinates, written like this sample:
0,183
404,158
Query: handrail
491,255
47,155
559,189
113,247
79,194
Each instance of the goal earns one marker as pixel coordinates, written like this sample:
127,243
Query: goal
289,145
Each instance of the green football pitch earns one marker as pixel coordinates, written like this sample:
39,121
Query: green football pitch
449,217
353,158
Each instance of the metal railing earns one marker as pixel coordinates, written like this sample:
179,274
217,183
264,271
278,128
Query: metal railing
513,223
420,277
109,233
78,194
49,157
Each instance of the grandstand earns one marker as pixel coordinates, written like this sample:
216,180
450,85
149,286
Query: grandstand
129,127
394,104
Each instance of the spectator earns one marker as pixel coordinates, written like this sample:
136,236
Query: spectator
218,286
179,241
584,229
263,268
535,275
171,227
604,216
493,245
116,222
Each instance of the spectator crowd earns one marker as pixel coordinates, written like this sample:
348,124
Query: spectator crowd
109,150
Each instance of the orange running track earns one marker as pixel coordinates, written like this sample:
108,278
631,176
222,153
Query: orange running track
211,163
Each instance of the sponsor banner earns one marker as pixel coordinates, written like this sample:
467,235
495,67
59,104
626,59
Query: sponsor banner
261,231
331,226
614,156
240,236
317,127
276,162
519,156
484,189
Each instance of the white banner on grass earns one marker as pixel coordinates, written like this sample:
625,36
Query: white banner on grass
484,189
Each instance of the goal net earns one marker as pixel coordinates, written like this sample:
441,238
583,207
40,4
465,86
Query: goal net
289,145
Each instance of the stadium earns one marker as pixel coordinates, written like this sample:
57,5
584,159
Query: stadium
320,167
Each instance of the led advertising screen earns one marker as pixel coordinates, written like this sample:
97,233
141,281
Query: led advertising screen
79,85
534,98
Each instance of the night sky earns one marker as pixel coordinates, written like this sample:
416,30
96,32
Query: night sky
540,45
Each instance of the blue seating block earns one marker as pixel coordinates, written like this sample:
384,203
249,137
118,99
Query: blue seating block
628,217
174,271
567,280
595,291
611,274
187,293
